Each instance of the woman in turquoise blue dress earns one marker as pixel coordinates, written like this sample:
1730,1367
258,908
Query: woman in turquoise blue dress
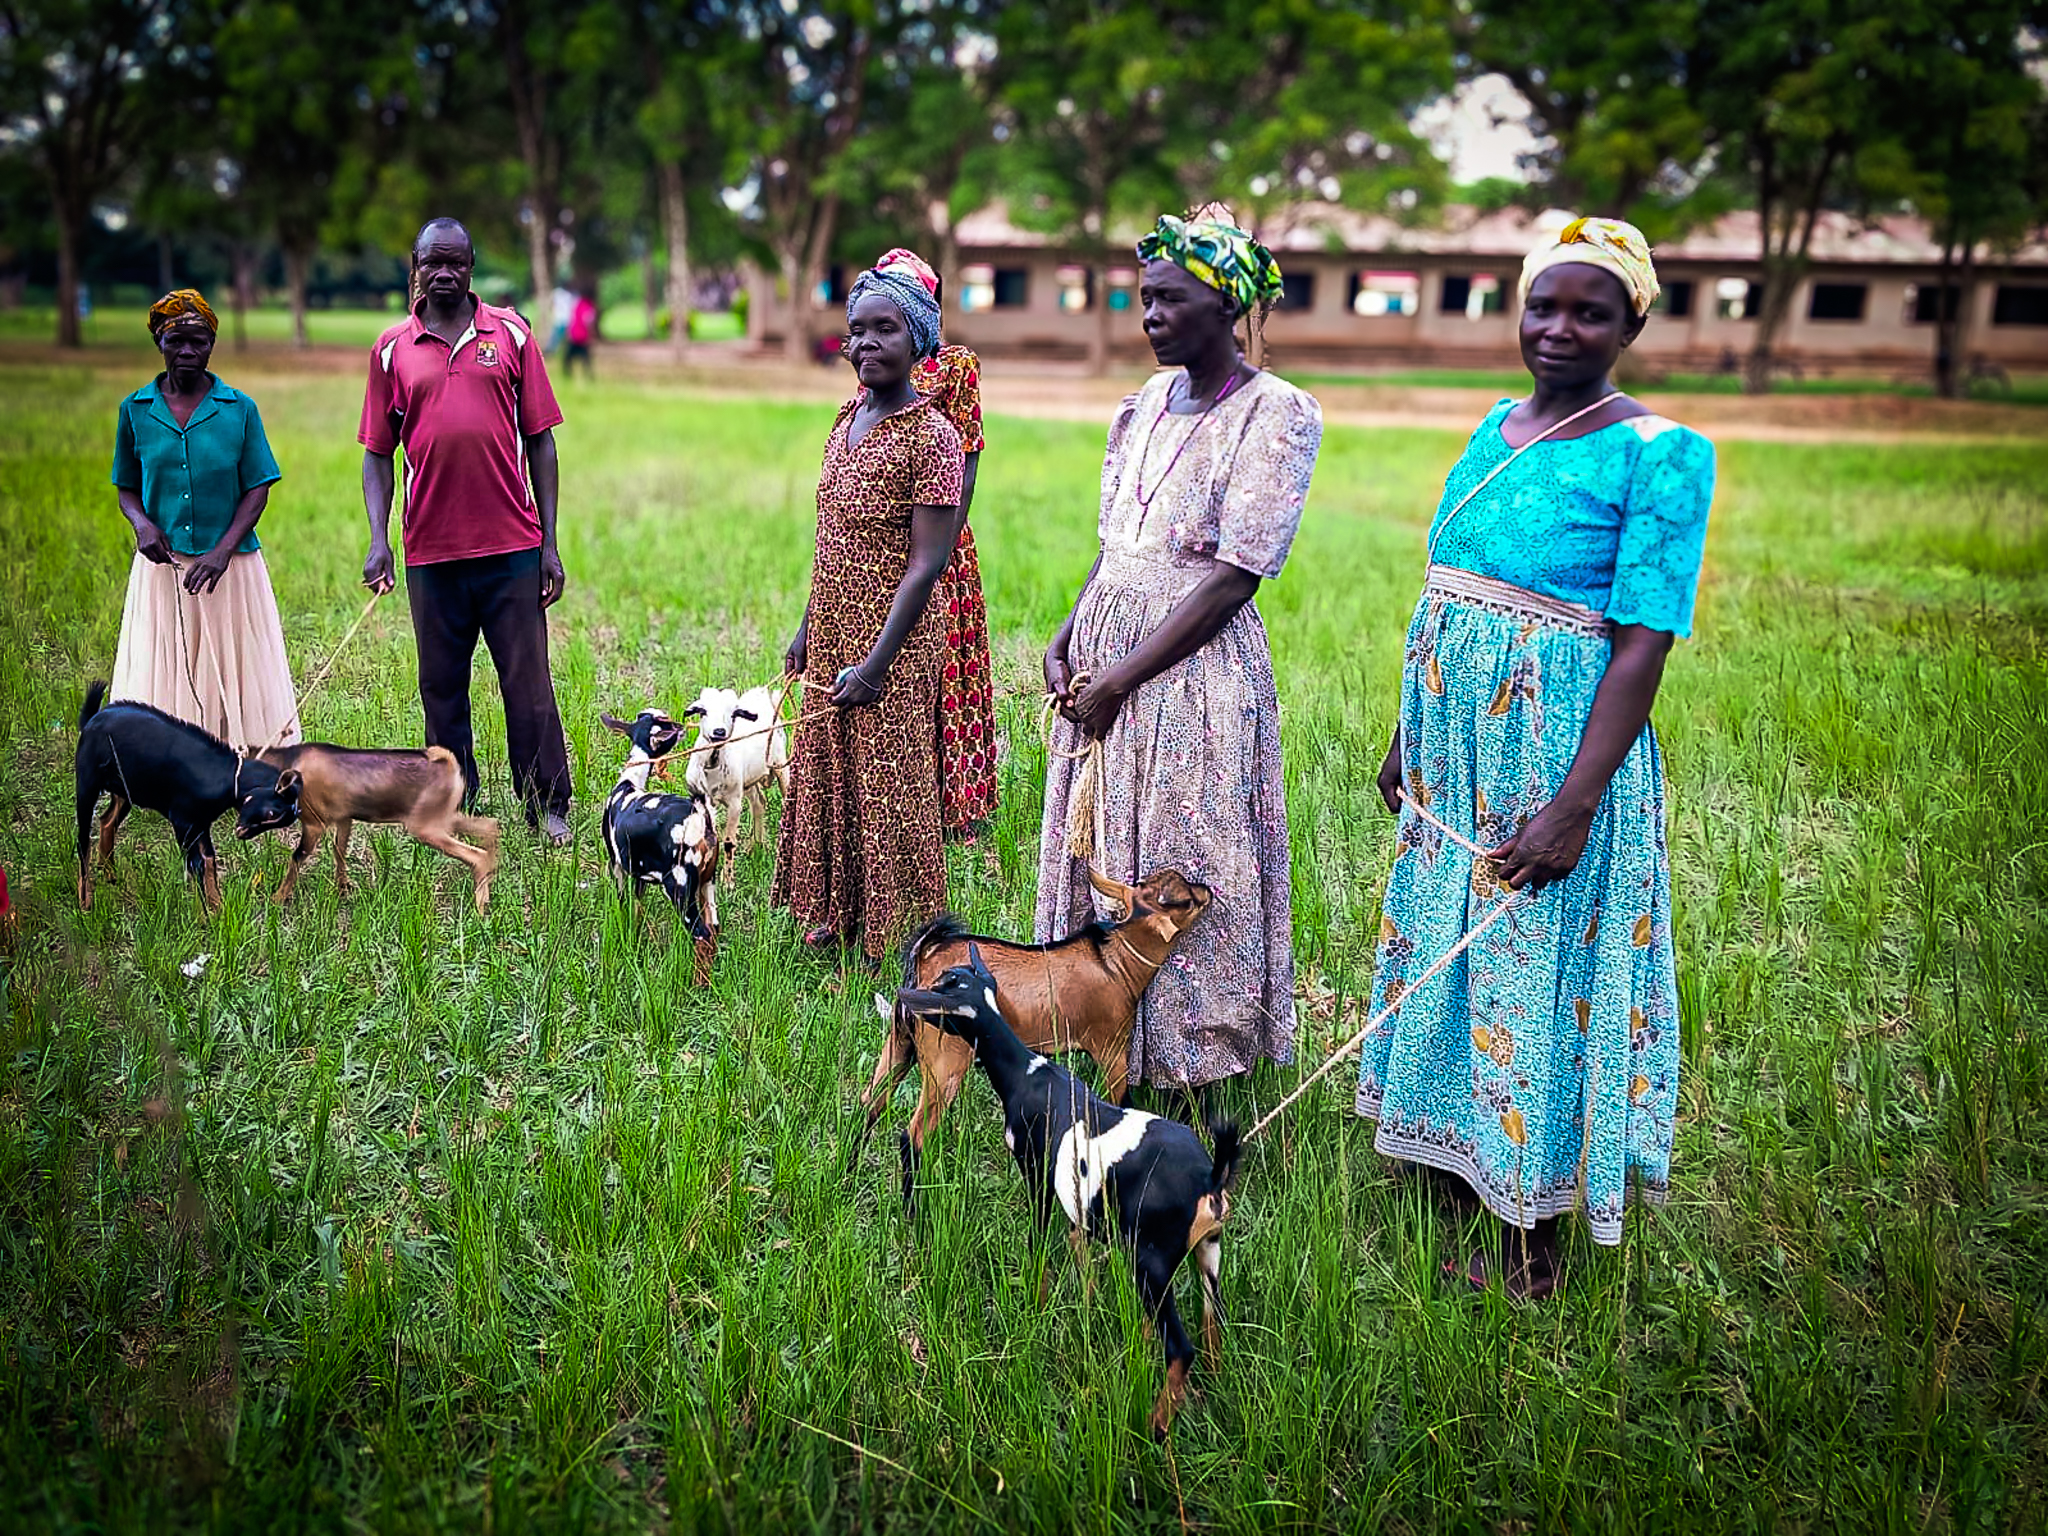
1541,1065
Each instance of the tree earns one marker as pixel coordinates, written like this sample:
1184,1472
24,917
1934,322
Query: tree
1087,93
1619,133
792,109
299,83
1961,75
1788,93
1316,100
89,81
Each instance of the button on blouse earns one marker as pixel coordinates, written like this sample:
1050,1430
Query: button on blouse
192,478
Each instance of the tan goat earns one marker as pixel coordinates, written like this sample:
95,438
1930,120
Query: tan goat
1078,993
419,791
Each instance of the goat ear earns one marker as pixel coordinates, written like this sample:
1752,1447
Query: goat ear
744,714
974,957
1123,895
694,712
289,784
616,725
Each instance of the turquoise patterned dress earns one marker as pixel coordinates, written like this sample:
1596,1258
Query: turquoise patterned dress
1542,1065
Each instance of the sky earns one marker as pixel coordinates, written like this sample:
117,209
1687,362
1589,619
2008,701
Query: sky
1481,128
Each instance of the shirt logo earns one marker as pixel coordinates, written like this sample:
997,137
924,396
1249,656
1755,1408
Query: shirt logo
487,353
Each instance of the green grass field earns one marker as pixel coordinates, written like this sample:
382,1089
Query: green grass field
399,1218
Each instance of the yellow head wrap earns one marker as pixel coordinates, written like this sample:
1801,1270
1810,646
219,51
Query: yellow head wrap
1612,244
177,304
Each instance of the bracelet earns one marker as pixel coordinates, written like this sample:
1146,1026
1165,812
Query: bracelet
856,673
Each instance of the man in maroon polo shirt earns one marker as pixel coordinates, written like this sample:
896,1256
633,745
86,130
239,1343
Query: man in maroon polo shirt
460,385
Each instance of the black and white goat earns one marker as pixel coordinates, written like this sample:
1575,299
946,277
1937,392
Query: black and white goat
653,838
135,754
1146,1181
741,746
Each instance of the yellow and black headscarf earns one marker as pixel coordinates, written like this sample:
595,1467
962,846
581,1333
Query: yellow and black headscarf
1613,245
176,305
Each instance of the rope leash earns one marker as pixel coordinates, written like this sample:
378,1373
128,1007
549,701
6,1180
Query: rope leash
1500,909
1087,828
296,718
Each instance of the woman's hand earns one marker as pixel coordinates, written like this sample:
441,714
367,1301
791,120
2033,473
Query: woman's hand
1059,676
151,544
799,653
852,690
1390,774
204,574
1547,849
1094,703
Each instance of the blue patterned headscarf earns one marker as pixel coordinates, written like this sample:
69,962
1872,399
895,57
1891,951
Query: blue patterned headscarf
901,288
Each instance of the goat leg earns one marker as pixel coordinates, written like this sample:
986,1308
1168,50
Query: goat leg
1155,1288
116,812
1209,1260
311,831
342,827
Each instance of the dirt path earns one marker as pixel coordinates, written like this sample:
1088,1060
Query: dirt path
1061,393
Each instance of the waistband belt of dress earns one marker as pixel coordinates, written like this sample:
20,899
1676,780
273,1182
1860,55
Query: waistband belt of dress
1503,597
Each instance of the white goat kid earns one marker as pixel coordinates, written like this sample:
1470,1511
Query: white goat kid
725,775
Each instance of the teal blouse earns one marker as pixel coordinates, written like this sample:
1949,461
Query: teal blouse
1615,521
192,478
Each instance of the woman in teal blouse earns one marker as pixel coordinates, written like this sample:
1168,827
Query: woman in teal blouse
1541,1067
200,638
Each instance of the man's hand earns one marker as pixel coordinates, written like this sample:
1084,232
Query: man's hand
552,576
379,575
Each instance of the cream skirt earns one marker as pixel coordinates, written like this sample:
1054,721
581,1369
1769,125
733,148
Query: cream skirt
216,660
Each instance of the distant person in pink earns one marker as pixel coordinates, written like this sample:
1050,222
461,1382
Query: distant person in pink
581,333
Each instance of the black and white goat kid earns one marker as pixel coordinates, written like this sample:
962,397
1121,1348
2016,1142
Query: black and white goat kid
653,838
1145,1181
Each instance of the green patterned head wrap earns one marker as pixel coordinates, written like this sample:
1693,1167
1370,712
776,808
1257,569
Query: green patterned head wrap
1219,254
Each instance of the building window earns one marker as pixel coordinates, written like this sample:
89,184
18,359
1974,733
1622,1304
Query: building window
1075,290
1475,295
1674,299
986,287
1837,301
1297,290
2019,304
1737,298
832,286
1931,303
1385,293
1123,288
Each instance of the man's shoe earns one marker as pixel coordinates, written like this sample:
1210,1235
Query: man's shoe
554,829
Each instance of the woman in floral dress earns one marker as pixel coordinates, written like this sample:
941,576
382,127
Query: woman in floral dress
1541,1066
966,723
859,853
1164,661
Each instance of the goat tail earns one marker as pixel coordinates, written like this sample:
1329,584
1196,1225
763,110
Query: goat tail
1223,1135
484,831
95,693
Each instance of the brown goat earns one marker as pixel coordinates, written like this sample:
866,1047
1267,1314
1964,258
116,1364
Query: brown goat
419,791
1078,993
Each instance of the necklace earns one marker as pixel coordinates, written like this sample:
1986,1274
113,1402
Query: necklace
1144,500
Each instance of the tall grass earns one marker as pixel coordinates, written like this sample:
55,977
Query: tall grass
402,1218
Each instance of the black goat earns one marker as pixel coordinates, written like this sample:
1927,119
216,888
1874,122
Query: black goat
651,838
1144,1180
138,755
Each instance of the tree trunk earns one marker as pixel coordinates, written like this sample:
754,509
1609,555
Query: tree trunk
796,341
541,256
1779,279
242,288
818,254
1952,319
675,223
1098,338
296,265
70,236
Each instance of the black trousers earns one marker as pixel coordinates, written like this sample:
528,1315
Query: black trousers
497,597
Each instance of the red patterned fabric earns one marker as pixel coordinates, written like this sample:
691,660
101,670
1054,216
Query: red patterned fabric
967,717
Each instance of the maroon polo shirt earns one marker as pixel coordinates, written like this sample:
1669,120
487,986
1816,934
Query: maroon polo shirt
462,414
